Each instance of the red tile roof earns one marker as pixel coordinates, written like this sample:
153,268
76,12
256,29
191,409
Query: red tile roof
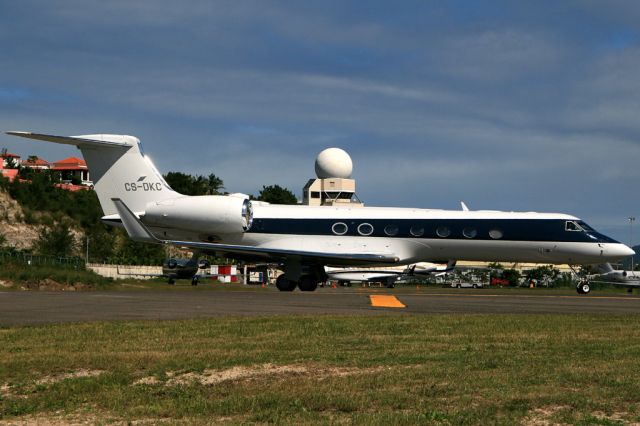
8,155
36,162
71,163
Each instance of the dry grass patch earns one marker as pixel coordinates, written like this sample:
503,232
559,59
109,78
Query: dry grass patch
48,380
211,377
543,416
8,390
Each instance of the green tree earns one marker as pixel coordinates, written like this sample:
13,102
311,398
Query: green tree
102,241
56,240
133,252
542,272
275,194
215,184
194,185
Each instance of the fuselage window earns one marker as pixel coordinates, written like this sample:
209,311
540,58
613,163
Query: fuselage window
365,229
469,232
391,230
417,231
496,234
339,228
572,226
443,232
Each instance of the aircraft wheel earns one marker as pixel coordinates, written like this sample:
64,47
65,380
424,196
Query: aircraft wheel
171,281
585,287
458,286
475,286
194,281
283,284
307,283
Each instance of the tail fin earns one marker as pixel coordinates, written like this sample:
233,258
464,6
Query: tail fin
118,168
605,268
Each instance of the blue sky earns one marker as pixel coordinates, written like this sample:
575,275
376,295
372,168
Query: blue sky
531,106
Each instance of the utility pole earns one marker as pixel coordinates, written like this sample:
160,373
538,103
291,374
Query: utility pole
631,220
87,254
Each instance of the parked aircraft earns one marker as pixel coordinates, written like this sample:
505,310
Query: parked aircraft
390,275
179,269
608,275
305,239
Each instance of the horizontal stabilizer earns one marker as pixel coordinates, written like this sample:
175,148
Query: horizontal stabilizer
135,228
82,140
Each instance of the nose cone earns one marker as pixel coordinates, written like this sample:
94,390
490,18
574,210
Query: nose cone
619,251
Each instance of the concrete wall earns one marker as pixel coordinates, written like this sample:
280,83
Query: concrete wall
124,271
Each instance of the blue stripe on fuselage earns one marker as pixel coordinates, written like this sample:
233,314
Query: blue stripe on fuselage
511,229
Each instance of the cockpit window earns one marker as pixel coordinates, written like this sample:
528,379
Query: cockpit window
586,227
571,225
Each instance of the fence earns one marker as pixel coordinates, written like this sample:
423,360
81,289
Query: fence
41,260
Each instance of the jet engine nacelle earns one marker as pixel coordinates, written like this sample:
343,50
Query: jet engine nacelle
211,214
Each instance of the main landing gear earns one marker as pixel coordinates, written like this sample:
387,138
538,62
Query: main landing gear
305,277
304,283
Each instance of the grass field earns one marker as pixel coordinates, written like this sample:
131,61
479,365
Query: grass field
439,369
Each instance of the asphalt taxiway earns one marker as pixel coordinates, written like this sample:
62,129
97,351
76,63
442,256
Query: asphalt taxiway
27,307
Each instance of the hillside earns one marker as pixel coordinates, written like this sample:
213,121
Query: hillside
43,219
16,233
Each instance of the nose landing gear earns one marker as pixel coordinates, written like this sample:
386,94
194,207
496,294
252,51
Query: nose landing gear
584,283
583,287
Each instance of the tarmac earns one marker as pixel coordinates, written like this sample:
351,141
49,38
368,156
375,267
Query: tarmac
18,308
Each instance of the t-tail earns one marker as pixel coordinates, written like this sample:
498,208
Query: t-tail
119,169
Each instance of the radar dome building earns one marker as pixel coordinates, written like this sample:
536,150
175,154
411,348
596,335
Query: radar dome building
334,186
334,163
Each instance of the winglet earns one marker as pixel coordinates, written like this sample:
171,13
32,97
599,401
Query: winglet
464,206
134,226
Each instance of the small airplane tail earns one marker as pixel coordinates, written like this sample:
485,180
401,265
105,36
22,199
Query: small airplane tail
605,268
118,168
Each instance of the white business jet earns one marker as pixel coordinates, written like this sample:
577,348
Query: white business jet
305,239
390,275
608,275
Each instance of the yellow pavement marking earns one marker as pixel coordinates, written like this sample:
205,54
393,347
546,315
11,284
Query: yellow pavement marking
386,302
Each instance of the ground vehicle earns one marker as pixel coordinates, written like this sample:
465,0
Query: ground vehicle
466,285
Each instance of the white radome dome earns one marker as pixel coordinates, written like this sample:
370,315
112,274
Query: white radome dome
333,163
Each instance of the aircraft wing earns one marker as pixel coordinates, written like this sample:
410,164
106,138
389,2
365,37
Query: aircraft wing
361,275
139,232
